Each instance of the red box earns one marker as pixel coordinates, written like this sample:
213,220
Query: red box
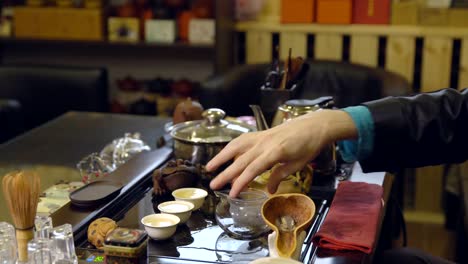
371,11
334,11
297,11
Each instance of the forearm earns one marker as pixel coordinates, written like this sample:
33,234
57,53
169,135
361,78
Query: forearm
426,129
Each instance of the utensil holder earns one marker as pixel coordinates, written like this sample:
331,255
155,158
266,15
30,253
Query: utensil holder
271,99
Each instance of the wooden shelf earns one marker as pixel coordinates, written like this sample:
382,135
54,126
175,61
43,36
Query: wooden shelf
387,30
106,49
105,44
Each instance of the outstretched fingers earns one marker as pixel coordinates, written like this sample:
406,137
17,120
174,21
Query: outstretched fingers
229,152
234,170
260,164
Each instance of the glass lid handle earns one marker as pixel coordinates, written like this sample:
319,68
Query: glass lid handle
213,115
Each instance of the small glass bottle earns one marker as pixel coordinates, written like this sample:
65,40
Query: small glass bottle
8,247
62,237
40,251
42,226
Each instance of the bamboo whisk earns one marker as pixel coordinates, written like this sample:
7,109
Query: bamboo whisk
21,190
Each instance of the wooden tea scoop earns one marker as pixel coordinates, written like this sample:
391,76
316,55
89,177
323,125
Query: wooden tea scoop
296,65
284,78
297,71
288,215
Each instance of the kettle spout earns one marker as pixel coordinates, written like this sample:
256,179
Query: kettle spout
259,118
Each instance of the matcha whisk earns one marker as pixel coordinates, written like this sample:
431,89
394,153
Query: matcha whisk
21,191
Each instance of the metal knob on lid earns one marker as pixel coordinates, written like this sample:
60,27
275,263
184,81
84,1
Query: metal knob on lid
213,115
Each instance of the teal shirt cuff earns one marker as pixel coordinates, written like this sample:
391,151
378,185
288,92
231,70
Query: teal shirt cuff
352,150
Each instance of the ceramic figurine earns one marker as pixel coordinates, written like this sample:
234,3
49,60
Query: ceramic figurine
176,174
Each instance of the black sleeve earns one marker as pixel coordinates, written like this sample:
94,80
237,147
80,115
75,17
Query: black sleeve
421,130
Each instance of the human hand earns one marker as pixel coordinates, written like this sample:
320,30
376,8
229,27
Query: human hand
291,145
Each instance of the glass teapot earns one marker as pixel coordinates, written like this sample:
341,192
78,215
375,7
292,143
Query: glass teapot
241,217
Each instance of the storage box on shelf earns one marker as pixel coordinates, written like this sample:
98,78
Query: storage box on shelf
271,11
201,31
58,23
297,11
6,22
183,22
160,30
438,3
93,4
433,16
123,29
371,11
458,17
334,11
405,12
5,27
35,3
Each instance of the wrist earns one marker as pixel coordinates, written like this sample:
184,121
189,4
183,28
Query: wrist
339,125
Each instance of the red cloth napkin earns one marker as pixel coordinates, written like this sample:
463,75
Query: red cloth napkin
351,223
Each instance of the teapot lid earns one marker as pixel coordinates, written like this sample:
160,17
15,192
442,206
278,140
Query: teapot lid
322,102
212,129
303,106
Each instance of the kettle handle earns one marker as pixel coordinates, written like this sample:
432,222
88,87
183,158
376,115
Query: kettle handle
259,118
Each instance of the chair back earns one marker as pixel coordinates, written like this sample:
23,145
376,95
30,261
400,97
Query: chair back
45,92
349,84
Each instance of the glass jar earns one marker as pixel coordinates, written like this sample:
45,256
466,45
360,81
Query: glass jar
241,217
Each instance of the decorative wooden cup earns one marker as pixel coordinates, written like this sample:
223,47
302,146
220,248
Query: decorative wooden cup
297,206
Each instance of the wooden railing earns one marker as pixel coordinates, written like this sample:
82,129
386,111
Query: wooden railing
400,49
438,55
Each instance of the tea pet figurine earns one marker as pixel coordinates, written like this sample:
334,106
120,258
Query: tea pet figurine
288,215
176,174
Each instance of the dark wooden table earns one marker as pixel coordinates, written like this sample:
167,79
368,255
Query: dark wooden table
64,141
57,146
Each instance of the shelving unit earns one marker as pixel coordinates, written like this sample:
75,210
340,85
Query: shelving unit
141,60
106,44
99,49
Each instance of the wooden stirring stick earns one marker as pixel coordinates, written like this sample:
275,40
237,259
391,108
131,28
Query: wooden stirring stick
285,76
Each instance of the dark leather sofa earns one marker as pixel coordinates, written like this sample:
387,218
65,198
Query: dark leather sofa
33,94
349,84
